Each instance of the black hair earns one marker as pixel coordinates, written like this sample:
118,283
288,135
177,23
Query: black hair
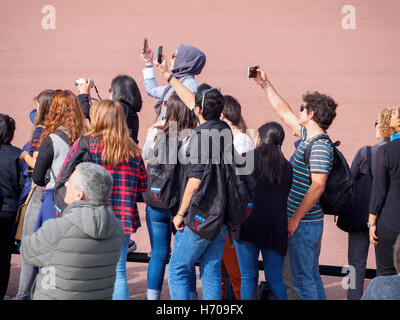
271,162
213,102
7,129
233,112
125,89
323,106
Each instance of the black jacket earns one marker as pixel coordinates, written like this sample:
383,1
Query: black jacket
11,178
386,186
132,118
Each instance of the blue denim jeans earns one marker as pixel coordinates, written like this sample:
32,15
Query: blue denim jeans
159,226
247,254
189,247
304,249
121,289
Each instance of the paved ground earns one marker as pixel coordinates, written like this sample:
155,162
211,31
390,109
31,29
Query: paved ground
301,44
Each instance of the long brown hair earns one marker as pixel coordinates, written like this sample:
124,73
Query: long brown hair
65,110
177,111
109,124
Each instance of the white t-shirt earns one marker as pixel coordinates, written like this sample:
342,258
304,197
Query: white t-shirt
242,142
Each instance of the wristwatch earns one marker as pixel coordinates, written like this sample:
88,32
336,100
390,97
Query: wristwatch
371,225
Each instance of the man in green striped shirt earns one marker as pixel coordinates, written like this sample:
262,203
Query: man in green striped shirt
305,214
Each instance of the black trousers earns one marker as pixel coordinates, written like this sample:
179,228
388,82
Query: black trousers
384,250
7,223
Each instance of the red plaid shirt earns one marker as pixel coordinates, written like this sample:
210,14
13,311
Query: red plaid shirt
129,179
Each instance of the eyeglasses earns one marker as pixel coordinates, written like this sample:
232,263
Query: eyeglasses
204,94
302,107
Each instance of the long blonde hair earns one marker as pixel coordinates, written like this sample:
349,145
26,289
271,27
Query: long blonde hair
109,124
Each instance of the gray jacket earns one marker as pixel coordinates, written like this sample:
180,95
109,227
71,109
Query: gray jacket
77,253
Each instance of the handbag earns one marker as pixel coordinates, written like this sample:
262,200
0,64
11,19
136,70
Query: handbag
263,292
357,216
21,214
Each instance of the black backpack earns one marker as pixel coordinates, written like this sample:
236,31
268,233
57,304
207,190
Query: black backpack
357,217
207,207
340,187
162,179
240,197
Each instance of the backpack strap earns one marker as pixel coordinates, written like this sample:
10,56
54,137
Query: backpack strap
307,151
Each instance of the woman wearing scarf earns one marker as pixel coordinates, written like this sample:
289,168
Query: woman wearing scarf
186,62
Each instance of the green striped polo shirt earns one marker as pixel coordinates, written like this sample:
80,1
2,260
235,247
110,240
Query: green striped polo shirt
321,160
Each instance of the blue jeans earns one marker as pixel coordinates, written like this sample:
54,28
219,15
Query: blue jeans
247,254
189,247
159,226
304,249
121,289
47,210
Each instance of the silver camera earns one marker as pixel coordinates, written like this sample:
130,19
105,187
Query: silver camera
82,80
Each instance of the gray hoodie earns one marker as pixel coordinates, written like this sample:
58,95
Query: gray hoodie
77,253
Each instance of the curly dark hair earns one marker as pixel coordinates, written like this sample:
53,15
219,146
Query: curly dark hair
323,106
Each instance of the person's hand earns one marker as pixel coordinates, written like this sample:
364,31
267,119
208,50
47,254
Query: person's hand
84,88
163,67
293,224
22,156
372,236
261,78
147,57
178,223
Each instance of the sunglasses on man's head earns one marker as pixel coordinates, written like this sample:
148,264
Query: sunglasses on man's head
204,94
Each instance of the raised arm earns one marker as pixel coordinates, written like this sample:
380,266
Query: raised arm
280,106
181,90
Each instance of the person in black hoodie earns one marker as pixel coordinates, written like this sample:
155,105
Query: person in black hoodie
11,183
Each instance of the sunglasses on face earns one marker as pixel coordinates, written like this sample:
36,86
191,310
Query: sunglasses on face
302,107
376,123
110,90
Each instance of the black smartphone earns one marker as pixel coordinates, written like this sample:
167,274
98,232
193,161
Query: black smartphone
252,72
145,45
159,54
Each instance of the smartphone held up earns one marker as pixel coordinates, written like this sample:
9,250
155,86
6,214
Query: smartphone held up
159,54
145,45
252,72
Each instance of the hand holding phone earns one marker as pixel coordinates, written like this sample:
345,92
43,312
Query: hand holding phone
159,54
252,72
145,46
